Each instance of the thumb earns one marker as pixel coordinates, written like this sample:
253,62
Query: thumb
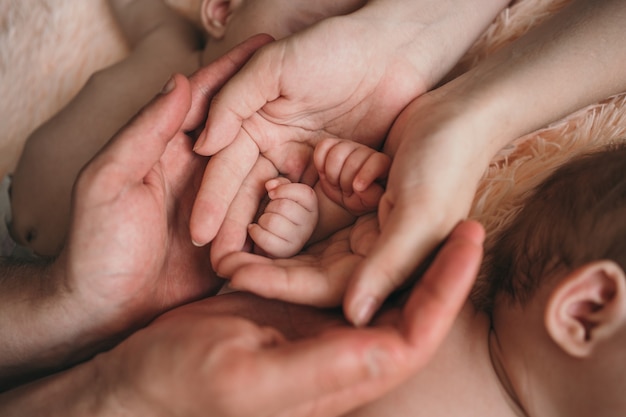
335,372
255,85
394,256
442,290
208,80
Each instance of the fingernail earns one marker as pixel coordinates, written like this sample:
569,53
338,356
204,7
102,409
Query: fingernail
196,244
169,86
271,184
358,185
200,141
230,285
364,310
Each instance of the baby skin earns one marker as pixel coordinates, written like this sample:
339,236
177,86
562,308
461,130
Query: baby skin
349,185
549,338
550,341
162,43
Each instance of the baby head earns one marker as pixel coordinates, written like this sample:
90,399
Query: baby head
559,291
230,22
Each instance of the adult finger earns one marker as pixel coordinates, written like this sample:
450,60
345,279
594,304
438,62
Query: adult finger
208,80
301,284
335,372
393,257
233,231
317,279
223,177
443,290
428,316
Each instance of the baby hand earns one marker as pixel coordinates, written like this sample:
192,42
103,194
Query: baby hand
287,221
348,173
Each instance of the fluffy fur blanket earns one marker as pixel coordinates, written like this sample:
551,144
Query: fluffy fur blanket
48,49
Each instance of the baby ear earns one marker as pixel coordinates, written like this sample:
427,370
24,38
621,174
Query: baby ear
587,307
215,15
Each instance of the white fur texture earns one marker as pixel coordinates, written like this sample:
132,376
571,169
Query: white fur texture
48,50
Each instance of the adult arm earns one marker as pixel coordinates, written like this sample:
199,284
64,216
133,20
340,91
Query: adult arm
444,140
347,76
237,355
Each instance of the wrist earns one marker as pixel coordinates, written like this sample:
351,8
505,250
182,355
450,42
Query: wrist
80,391
488,111
431,35
454,121
47,323
549,72
69,393
93,323
115,392
35,317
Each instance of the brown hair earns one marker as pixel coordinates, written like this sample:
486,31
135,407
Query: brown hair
577,215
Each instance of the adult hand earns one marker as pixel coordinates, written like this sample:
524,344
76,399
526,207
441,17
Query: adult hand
246,365
129,255
430,188
444,140
438,159
128,252
345,77
238,355
319,276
